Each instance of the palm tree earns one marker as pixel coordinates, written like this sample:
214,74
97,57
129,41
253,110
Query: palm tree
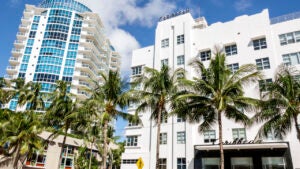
280,105
59,116
21,136
34,97
111,96
215,93
6,94
159,87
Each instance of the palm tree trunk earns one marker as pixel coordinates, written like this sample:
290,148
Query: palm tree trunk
91,151
297,127
158,138
221,139
62,147
16,157
104,156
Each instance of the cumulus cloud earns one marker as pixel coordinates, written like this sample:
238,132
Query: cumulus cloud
117,13
242,5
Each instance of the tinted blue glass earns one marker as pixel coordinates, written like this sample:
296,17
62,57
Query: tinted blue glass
26,58
30,42
65,4
34,26
36,19
23,67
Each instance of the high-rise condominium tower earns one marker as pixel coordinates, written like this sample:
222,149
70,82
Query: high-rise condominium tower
61,40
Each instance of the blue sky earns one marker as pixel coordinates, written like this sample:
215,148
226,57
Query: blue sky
130,24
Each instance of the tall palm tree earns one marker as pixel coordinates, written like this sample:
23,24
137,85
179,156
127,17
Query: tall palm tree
159,87
59,116
112,97
34,97
280,105
21,131
217,92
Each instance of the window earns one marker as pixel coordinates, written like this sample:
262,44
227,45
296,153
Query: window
180,39
136,70
205,55
263,63
162,163
210,163
241,163
209,136
239,133
271,135
289,38
131,141
164,62
273,163
263,84
181,163
163,138
165,43
233,67
231,50
260,44
291,59
181,137
180,119
180,60
164,118
129,161
132,124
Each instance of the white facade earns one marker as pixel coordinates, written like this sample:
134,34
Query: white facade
244,38
75,33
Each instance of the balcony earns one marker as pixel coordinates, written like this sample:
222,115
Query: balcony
25,20
16,52
19,44
21,36
23,28
11,69
28,13
14,61
10,77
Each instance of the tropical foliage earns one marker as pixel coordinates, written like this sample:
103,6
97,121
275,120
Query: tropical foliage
280,104
217,93
158,90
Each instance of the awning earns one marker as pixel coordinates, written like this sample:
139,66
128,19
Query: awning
243,146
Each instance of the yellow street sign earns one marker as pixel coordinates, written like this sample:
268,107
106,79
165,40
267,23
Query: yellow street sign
140,163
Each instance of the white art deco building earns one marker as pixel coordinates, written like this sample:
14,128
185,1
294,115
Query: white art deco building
61,40
253,39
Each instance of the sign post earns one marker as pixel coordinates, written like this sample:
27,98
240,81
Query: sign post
140,163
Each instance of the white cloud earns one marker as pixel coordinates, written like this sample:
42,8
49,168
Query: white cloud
124,43
242,5
117,13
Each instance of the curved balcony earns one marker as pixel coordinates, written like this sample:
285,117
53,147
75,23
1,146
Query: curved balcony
16,52
14,61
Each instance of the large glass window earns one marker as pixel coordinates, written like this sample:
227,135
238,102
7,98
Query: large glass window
132,141
273,163
231,50
165,43
180,60
289,38
181,137
163,138
263,84
263,63
291,59
233,67
211,163
164,62
241,163
239,133
181,163
180,39
136,70
205,55
162,163
209,136
259,44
